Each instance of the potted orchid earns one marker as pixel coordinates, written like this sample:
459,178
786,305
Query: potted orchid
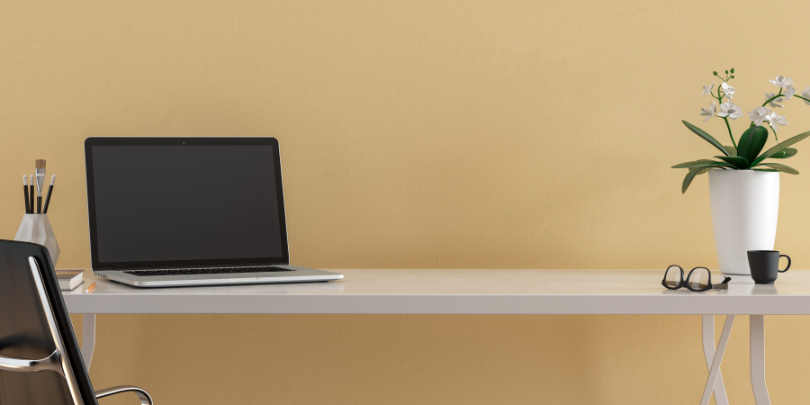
744,183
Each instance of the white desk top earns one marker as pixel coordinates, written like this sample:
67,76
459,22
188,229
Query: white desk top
457,291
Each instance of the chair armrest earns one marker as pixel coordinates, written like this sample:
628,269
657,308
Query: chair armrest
140,392
51,362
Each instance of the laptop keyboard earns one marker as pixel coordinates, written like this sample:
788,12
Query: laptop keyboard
221,270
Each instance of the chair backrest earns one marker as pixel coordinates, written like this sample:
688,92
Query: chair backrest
34,324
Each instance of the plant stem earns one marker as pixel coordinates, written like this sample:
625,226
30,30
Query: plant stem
720,100
777,140
800,97
774,97
729,132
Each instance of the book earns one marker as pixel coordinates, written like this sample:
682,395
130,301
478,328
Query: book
69,279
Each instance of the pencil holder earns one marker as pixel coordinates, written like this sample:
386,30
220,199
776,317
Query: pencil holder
37,229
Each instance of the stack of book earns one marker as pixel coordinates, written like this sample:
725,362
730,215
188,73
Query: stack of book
69,279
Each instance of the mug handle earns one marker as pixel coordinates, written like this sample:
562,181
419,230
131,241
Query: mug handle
788,266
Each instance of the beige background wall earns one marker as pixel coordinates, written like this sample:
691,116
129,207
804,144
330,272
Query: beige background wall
430,134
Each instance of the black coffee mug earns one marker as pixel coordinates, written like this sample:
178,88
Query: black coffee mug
764,265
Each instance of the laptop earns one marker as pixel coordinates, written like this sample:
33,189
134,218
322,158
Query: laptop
170,212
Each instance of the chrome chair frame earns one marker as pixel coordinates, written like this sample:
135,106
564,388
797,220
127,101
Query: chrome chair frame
58,361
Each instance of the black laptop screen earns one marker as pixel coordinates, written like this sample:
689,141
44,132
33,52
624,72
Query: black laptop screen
185,204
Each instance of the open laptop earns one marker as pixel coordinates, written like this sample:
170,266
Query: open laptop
167,212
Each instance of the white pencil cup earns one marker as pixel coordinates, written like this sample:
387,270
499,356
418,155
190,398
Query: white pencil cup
37,229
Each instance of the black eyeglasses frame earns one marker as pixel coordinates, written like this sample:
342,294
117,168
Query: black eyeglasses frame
685,283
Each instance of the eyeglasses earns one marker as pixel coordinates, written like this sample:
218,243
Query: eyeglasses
698,280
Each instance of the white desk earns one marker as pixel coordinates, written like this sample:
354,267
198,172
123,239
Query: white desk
452,291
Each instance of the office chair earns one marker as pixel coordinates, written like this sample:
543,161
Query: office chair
40,362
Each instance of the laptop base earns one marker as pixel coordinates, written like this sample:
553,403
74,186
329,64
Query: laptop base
297,275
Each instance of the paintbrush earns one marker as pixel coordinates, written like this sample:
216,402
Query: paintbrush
25,191
31,193
48,198
40,182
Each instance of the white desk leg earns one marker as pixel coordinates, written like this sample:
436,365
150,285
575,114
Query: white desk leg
758,360
708,351
714,370
88,338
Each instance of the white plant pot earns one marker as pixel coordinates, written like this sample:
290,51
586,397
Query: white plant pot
745,208
37,229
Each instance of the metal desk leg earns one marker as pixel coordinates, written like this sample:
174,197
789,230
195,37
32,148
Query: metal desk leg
708,351
88,338
714,370
758,360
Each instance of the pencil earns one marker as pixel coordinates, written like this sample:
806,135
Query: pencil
48,198
90,289
31,193
25,192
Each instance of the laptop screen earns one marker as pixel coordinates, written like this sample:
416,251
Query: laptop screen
185,201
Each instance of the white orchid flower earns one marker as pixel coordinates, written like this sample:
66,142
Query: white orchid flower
806,94
730,110
709,112
757,115
728,90
775,102
775,119
707,89
781,81
785,83
789,92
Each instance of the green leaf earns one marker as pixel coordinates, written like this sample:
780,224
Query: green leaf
737,161
782,168
732,151
701,163
703,170
788,153
751,143
708,138
766,170
778,148
691,176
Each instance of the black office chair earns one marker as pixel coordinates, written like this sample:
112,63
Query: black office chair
40,362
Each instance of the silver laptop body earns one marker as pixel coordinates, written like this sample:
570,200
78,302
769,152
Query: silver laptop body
172,212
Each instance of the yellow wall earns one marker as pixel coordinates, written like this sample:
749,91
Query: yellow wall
432,134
